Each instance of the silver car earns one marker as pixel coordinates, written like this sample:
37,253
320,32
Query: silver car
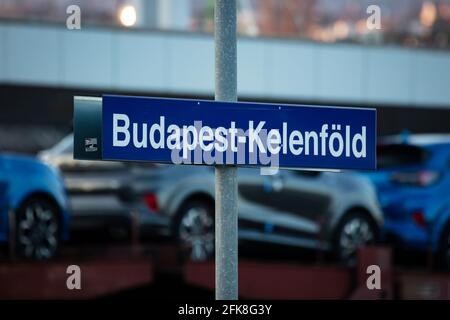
329,211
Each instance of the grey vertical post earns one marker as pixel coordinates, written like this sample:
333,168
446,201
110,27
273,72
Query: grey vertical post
226,177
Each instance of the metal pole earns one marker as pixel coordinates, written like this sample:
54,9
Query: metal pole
226,176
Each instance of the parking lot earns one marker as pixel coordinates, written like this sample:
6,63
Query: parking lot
227,149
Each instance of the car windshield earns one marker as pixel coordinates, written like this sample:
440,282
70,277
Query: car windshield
397,155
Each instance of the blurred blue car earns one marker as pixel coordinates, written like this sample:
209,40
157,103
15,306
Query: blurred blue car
413,187
34,214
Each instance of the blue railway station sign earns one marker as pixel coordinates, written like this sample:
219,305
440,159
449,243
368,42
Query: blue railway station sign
223,133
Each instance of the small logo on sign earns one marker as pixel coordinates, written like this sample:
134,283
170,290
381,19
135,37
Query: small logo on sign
90,144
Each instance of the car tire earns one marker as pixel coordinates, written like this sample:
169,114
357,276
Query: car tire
444,249
37,229
353,231
195,229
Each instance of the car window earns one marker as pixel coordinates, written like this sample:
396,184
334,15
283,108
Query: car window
65,146
397,155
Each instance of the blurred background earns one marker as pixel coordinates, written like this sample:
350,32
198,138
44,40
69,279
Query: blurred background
308,51
289,51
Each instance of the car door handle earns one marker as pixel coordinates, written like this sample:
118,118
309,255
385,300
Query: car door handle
277,184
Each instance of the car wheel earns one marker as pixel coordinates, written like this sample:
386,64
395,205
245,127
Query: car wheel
195,230
354,231
37,229
444,252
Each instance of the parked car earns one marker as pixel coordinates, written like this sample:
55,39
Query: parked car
310,209
413,185
34,215
101,199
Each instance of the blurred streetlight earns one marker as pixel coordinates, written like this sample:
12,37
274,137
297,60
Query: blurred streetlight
128,16
428,14
340,30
